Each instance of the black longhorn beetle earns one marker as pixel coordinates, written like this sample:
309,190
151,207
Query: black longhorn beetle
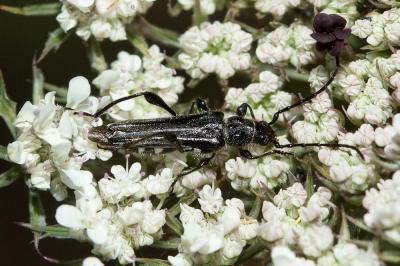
207,130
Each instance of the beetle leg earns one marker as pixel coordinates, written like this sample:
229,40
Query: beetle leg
202,163
200,104
150,97
242,110
248,155
172,138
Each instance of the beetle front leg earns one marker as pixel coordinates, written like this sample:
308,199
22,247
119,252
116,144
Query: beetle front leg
248,155
200,104
242,110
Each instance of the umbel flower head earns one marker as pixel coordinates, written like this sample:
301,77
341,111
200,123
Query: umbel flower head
330,32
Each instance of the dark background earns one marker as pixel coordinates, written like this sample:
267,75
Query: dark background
21,38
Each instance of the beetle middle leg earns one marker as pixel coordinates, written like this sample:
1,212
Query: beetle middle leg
202,163
200,104
174,139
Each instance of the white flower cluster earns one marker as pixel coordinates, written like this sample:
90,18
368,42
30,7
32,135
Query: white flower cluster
217,233
388,138
347,169
193,181
207,7
293,223
322,122
130,74
287,45
342,254
379,30
103,19
293,220
383,205
363,84
264,96
221,48
52,141
268,172
119,217
276,7
344,8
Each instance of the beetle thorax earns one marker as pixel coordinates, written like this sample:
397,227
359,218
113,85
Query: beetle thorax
238,131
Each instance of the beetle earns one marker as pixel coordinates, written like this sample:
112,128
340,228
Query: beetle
206,130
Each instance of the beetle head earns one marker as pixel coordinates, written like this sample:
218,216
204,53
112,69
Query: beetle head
264,133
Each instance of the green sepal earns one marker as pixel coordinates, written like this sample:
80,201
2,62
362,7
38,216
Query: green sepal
55,39
38,82
96,56
7,107
10,176
48,9
164,36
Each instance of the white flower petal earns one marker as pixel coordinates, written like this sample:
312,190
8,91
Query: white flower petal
69,216
97,234
78,91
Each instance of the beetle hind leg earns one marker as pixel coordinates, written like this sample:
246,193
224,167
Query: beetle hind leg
150,97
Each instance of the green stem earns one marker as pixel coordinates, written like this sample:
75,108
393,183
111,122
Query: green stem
250,251
255,210
167,244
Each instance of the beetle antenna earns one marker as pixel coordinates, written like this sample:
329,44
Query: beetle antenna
312,96
330,145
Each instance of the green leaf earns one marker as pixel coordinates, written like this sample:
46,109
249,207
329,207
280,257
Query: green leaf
4,154
139,42
151,262
48,9
61,92
249,252
55,231
96,56
167,244
37,215
174,224
164,36
38,81
309,183
54,41
255,210
10,176
198,16
333,220
344,227
176,209
7,107
392,256
359,223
